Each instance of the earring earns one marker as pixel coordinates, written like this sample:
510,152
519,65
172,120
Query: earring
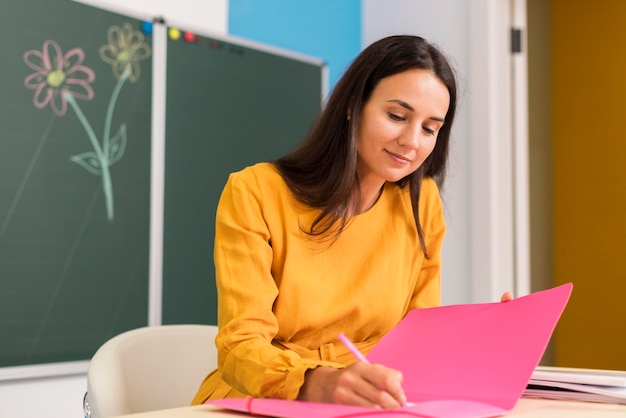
348,117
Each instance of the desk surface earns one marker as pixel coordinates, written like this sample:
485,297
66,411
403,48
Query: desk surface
525,407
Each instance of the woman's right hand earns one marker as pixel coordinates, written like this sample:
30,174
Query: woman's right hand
371,385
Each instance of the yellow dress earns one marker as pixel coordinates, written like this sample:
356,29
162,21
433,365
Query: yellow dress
283,296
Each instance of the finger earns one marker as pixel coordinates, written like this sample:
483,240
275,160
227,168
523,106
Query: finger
353,389
369,385
369,395
397,392
506,296
392,385
385,387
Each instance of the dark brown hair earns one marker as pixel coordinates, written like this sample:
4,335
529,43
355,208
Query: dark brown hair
322,173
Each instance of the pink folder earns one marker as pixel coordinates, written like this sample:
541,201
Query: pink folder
458,361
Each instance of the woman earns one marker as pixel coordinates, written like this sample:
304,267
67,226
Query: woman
342,235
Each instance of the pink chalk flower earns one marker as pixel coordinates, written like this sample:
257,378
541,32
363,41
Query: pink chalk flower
57,73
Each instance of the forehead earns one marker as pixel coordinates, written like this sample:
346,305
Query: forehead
415,87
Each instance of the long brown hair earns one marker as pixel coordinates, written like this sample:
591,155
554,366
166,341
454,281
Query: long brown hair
322,173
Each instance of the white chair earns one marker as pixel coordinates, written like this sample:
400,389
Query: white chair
149,368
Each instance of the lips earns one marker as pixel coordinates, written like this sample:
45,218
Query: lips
398,157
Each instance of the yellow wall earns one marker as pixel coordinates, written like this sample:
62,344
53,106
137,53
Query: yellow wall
589,162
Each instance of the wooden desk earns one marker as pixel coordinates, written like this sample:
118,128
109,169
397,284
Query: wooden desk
536,408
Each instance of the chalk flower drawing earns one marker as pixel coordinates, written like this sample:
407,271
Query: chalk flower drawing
56,73
125,49
59,79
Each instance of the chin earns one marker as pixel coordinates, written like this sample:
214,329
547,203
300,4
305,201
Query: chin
394,177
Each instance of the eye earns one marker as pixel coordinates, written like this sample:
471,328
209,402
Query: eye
395,117
429,131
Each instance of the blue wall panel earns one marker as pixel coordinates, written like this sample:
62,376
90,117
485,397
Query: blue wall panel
326,29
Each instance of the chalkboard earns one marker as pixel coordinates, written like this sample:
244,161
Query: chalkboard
74,179
229,104
75,169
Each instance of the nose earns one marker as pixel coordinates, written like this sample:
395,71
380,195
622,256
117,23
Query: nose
411,137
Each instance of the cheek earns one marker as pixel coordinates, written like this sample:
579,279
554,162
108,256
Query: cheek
425,151
377,131
431,146
368,137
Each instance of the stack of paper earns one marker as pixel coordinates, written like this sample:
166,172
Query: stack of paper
590,385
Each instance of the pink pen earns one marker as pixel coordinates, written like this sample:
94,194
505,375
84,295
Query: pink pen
352,348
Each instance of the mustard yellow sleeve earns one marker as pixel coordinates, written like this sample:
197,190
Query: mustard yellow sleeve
427,292
246,293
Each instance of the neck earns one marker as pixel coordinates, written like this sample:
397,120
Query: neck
369,196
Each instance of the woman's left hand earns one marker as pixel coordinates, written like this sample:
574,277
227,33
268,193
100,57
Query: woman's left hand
506,296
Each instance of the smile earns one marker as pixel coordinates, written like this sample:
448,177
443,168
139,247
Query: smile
398,158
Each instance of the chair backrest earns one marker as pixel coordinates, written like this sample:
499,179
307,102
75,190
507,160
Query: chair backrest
149,368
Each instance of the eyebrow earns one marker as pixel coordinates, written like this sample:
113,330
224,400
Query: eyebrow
409,107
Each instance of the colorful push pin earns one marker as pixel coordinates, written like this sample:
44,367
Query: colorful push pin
189,37
215,44
174,34
146,27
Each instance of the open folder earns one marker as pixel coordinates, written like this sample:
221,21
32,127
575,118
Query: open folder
458,361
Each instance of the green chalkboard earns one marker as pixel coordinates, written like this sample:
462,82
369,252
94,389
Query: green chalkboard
74,179
228,105
75,168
